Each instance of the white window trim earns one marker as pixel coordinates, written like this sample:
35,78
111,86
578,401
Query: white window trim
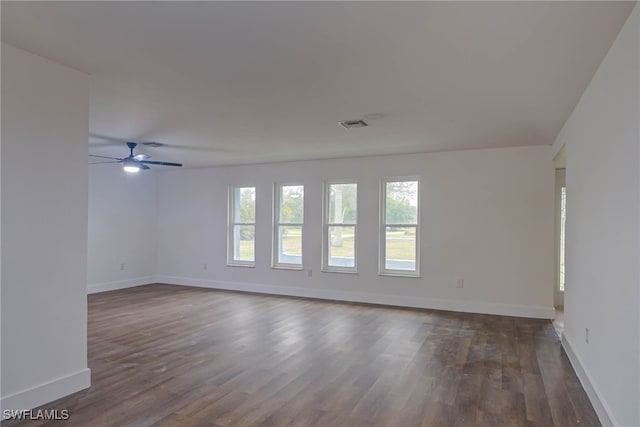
277,187
325,228
231,200
382,271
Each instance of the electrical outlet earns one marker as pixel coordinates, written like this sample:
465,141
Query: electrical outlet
310,272
586,335
122,266
205,266
460,283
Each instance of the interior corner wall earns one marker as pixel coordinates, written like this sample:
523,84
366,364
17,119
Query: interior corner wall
122,244
45,121
602,293
487,217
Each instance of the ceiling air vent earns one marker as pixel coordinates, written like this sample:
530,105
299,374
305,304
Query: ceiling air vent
153,144
349,124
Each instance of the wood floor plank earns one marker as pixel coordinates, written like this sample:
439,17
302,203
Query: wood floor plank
166,355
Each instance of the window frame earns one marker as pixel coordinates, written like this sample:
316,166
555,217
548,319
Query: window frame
277,191
231,224
326,195
382,241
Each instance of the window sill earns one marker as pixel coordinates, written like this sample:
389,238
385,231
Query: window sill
287,267
330,270
233,264
399,274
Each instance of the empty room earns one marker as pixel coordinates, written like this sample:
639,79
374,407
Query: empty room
320,213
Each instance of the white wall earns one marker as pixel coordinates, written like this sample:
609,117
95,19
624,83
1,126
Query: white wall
122,227
44,230
603,185
487,217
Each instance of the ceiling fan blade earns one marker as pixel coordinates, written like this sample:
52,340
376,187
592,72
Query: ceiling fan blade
143,166
99,163
202,148
106,138
142,156
161,163
105,157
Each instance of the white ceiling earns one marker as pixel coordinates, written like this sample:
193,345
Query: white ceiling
246,82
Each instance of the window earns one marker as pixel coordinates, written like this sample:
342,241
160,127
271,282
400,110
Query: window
399,227
287,225
340,233
561,218
242,226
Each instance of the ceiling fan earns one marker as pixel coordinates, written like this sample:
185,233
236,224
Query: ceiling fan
134,164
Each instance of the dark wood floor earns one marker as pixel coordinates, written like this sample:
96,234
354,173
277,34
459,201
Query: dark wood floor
164,355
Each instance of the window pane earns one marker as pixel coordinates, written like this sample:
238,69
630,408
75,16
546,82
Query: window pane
401,202
292,203
245,204
343,203
400,246
289,244
244,243
342,252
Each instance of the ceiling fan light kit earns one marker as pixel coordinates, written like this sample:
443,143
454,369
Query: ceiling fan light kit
130,166
133,164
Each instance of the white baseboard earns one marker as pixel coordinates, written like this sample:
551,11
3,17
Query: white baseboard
370,298
93,288
599,404
48,392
